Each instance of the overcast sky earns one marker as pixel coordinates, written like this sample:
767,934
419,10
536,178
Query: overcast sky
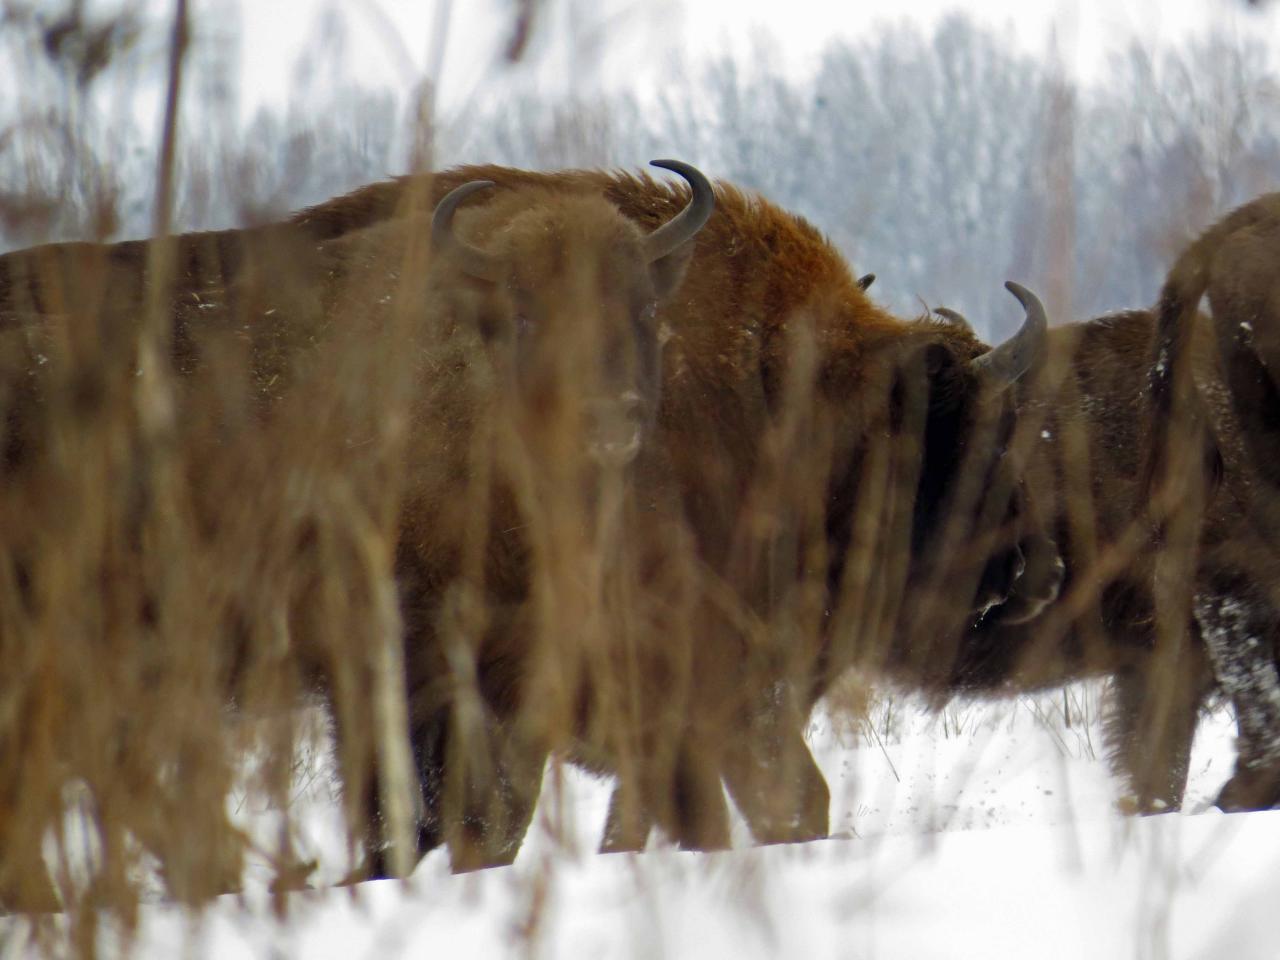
592,42
622,41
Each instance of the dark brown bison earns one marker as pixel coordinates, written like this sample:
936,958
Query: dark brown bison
1236,569
1086,413
1080,442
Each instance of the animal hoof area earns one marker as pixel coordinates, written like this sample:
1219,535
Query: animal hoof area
1131,805
291,877
1250,790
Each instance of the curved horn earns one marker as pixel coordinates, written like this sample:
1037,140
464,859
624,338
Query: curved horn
866,280
953,317
1002,366
475,263
682,227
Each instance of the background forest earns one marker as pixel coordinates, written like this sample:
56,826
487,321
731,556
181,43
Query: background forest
945,161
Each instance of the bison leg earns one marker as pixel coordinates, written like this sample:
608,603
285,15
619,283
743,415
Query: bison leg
696,816
626,830
1153,712
426,742
778,787
479,798
1239,629
475,792
686,800
491,784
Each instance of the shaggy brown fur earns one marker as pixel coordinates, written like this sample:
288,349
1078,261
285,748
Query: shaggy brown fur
1237,605
143,581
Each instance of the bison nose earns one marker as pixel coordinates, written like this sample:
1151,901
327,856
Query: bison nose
1000,573
1035,585
616,427
1039,583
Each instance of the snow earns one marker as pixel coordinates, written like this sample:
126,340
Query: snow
983,832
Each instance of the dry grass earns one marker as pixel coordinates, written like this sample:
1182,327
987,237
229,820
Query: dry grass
200,519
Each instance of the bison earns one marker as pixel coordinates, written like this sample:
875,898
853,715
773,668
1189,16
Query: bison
793,410
1081,436
471,371
505,658
1236,606
1086,418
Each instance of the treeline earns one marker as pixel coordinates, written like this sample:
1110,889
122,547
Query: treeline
944,161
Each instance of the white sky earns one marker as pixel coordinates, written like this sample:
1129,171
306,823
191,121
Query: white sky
390,42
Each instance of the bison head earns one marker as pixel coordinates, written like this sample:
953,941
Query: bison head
564,290
971,499
949,486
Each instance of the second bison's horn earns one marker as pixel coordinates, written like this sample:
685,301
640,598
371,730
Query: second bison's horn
476,263
953,317
1006,364
866,280
681,228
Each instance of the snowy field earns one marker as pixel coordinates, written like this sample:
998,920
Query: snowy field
983,832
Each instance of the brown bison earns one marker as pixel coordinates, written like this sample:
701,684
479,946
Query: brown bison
517,355
510,653
793,409
791,404
1236,571
828,455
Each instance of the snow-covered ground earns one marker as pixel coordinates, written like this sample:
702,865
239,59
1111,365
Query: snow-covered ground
984,832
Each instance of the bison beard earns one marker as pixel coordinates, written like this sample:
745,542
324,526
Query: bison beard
1237,573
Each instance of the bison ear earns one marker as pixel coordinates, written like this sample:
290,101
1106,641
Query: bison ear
667,273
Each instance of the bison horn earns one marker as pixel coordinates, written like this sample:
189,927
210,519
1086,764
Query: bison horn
475,263
681,228
866,280
953,317
1004,365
